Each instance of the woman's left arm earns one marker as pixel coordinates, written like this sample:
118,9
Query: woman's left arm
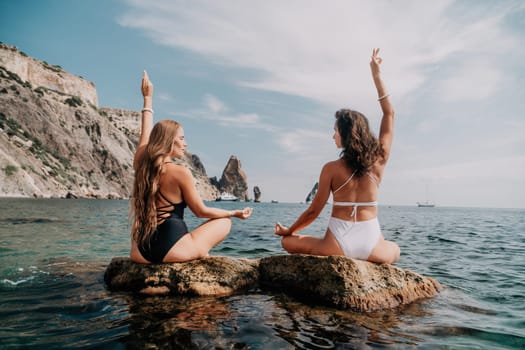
313,211
197,206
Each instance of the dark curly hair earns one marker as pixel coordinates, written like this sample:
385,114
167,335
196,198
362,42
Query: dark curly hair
361,148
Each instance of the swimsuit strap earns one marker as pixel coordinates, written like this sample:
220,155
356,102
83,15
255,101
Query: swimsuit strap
355,205
373,178
351,176
163,210
347,181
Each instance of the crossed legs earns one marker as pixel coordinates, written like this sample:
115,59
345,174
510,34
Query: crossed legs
200,241
383,252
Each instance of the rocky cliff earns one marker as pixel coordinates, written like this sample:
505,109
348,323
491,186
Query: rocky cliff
56,142
43,74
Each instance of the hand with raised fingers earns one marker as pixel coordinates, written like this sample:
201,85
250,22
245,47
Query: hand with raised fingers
375,62
146,86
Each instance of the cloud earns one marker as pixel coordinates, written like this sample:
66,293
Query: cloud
450,67
321,51
216,111
304,141
165,97
471,81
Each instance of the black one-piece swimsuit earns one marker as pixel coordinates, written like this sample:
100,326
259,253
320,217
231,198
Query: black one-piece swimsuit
167,233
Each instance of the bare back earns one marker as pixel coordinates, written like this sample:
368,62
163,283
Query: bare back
348,188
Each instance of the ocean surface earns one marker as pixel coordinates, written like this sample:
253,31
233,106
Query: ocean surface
53,253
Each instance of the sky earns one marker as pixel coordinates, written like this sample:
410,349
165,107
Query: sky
261,80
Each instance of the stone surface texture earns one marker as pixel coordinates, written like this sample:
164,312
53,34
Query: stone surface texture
335,281
345,283
215,276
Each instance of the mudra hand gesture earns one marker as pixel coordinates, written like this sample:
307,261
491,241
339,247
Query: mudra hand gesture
281,230
242,214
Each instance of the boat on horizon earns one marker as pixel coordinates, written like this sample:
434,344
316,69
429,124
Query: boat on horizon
426,203
226,197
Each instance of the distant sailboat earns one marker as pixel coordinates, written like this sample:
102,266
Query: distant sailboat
312,193
426,203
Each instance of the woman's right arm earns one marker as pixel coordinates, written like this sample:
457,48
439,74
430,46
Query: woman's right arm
315,208
386,132
197,206
147,117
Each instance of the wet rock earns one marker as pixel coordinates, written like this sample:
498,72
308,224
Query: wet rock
335,281
217,276
343,282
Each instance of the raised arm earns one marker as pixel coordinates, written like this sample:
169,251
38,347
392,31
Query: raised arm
386,132
147,117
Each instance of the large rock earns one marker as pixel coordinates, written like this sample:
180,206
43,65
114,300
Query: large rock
343,282
256,194
336,281
216,276
234,180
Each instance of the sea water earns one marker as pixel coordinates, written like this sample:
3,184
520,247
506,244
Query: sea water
52,296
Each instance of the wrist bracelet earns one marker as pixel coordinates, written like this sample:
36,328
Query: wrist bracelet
383,97
147,110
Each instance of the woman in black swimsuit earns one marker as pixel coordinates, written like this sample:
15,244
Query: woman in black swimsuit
161,191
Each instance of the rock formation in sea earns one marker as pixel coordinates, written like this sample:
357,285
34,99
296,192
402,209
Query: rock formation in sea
335,281
343,282
234,180
208,276
205,187
55,141
256,194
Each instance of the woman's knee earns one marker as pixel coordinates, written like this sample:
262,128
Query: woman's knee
226,223
394,252
397,252
222,225
288,244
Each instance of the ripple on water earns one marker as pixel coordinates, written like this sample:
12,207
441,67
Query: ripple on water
52,303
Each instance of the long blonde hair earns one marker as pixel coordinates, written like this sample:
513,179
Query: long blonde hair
143,210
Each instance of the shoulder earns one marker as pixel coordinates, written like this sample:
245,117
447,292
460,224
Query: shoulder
334,165
178,171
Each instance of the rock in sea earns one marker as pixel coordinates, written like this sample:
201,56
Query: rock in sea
211,276
345,283
335,281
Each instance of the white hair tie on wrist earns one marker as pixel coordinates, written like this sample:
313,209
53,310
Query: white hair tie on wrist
147,110
383,97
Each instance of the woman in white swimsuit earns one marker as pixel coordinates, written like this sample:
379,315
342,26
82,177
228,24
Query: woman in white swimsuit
353,179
